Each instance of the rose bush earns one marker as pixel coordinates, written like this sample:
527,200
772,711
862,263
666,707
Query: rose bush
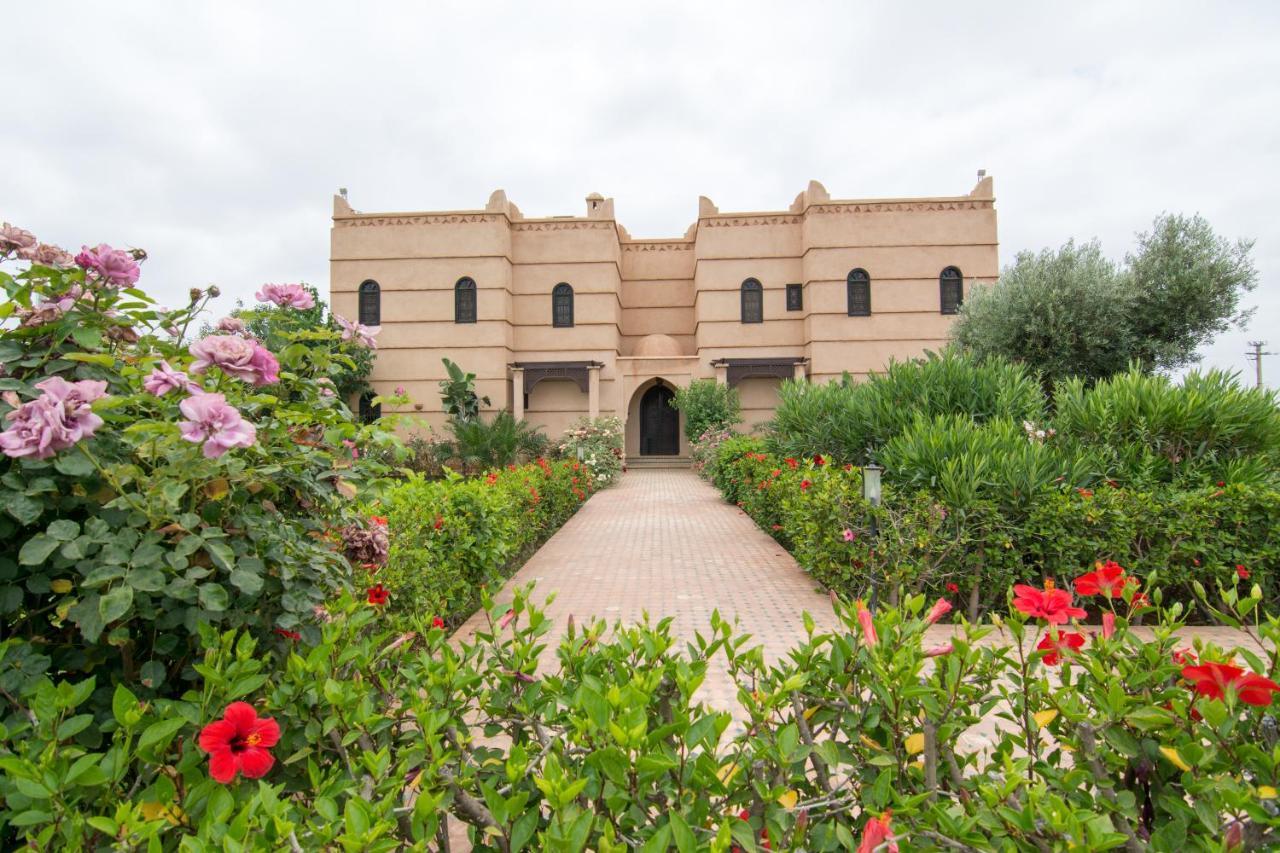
598,445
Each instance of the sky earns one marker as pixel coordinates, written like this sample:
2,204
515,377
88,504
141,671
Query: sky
214,135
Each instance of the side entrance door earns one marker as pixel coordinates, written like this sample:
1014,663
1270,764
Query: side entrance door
659,423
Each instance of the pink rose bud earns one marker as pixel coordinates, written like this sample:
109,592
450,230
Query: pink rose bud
940,608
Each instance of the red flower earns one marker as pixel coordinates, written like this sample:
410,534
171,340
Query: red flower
819,461
240,743
378,594
940,608
287,634
1056,645
1108,580
1184,657
776,472
1221,483
804,486
877,836
791,462
867,625
1108,623
1215,680
1049,604
951,587
1085,493
439,522
491,479
777,527
380,520
437,622
1242,571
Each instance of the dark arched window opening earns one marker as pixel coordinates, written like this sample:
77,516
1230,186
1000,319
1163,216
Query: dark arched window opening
951,290
562,305
369,410
859,293
370,303
752,301
464,301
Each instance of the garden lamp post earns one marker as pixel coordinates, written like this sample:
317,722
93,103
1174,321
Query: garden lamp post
871,493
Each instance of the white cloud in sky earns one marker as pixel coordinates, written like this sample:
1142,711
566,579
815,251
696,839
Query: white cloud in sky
214,135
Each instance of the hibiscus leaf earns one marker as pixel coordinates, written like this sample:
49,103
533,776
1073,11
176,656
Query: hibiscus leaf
158,734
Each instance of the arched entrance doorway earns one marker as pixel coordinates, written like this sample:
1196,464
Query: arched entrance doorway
659,423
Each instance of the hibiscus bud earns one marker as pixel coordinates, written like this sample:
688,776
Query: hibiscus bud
1108,624
506,618
939,651
867,625
940,608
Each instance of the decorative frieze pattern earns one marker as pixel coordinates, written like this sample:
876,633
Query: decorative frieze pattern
569,225
657,247
762,219
901,206
421,219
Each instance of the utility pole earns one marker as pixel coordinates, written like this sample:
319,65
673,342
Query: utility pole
1256,357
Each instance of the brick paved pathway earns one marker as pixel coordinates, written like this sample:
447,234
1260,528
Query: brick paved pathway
663,541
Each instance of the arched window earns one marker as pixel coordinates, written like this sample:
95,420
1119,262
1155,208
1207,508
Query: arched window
859,293
752,301
562,305
464,301
951,290
370,303
369,411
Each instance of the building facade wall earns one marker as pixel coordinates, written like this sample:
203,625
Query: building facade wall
646,310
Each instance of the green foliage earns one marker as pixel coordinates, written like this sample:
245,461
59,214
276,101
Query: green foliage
113,552
479,445
851,422
1073,313
458,393
452,536
598,444
707,406
387,738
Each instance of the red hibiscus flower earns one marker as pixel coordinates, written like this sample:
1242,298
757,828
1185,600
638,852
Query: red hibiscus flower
1049,604
1084,493
775,473
240,743
819,461
804,486
1108,579
380,520
953,587
437,622
791,462
877,836
940,608
1055,645
1221,483
378,594
1215,680
1184,657
1242,572
287,634
439,522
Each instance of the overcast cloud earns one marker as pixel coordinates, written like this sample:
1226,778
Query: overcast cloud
214,135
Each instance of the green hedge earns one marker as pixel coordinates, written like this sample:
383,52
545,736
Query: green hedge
1179,535
451,536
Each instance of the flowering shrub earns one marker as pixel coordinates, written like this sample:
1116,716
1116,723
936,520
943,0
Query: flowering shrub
861,736
598,445
453,535
150,483
705,450
926,539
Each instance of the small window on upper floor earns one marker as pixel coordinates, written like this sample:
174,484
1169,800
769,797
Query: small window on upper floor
370,303
369,410
859,293
562,305
752,301
464,300
951,290
795,297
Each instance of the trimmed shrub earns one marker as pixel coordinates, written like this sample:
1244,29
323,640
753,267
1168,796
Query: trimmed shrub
707,406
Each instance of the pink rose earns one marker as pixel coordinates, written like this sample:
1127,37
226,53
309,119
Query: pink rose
244,359
234,325
13,238
164,379
55,420
115,267
286,296
218,425
48,255
358,332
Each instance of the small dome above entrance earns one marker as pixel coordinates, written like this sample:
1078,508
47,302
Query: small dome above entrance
658,345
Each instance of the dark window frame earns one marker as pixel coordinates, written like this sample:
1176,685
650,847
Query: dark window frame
858,293
370,303
368,410
754,289
562,306
464,300
950,290
795,297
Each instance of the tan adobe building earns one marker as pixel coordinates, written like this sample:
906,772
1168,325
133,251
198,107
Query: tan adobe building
568,316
